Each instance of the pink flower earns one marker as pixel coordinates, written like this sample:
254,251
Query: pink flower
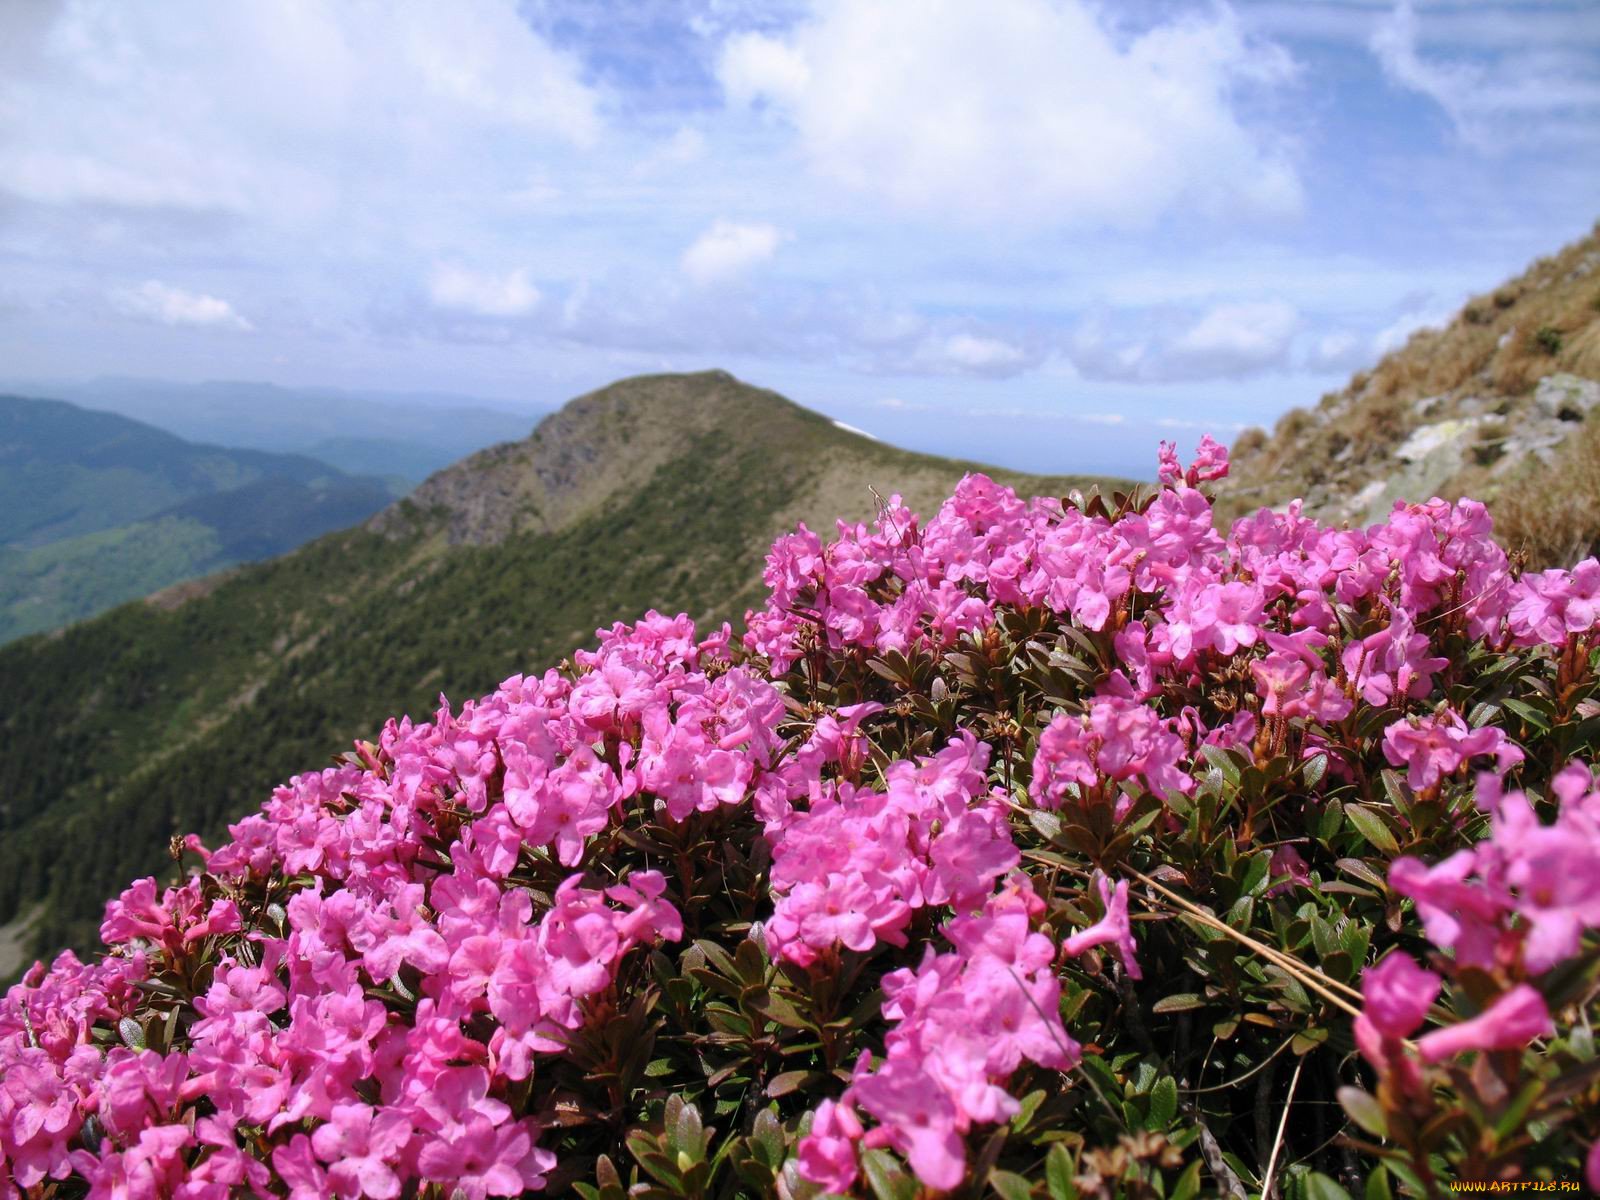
1112,929
480,1160
1398,994
1439,745
298,1167
916,1118
362,1146
827,1154
1510,1023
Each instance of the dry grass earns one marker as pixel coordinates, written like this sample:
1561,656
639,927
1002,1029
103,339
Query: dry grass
1497,348
1552,514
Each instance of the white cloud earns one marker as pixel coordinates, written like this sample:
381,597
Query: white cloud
1397,333
484,293
161,302
1340,350
686,145
729,249
1517,94
1227,341
274,109
1235,339
1023,108
973,354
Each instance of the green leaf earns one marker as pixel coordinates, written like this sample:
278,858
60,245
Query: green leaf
1181,1002
1362,871
131,1032
1314,769
1511,1120
1320,1187
1188,1185
1010,1186
1047,823
1371,826
1059,1174
790,1081
1163,1104
1378,1186
886,1177
1536,720
1331,821
1222,761
1256,874
1363,1108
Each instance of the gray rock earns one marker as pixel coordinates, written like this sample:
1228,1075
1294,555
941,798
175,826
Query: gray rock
1564,393
1428,459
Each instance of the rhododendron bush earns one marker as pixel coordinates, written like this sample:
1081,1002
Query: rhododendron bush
1052,848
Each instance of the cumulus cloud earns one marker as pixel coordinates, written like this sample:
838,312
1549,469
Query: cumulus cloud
1509,93
1399,331
971,354
273,109
1340,350
1234,339
728,250
1226,341
486,294
168,305
1023,108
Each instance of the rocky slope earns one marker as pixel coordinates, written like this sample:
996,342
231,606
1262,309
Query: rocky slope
1487,406
182,713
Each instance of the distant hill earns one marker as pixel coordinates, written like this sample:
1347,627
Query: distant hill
97,509
183,712
390,435
1498,405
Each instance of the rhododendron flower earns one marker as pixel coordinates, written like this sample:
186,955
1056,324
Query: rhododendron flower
480,1160
827,1154
1112,929
360,1145
1439,745
1459,915
1550,606
916,1118
1398,994
1510,1023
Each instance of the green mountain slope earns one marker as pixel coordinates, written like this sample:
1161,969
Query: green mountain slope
97,509
182,713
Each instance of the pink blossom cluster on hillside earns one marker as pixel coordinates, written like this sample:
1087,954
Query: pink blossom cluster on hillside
378,1028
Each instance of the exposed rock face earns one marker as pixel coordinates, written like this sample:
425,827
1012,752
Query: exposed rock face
569,465
1565,397
1479,407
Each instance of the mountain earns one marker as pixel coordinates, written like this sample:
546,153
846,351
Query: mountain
97,509
182,712
1494,405
389,435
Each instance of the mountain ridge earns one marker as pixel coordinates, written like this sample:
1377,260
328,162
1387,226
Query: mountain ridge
410,434
189,709
97,509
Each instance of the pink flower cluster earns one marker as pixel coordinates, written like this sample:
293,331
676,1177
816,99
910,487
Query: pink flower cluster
1512,907
369,1026
1120,739
292,1029
852,868
965,1021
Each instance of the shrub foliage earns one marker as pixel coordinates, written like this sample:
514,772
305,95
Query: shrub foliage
1047,849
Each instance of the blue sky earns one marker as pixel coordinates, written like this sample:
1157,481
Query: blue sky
1044,233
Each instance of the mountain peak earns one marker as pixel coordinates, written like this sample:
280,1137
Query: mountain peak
580,456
